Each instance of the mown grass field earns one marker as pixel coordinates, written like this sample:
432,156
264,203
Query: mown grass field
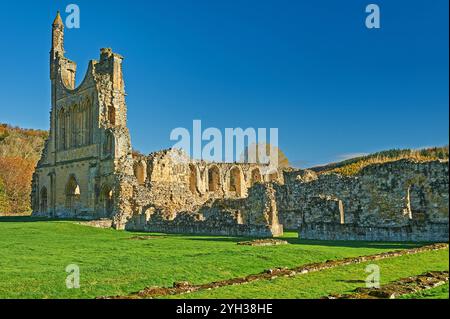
34,255
440,292
341,280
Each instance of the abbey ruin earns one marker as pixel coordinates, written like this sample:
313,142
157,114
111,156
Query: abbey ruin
88,170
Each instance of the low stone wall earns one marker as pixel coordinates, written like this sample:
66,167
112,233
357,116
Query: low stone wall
203,227
432,232
98,223
218,223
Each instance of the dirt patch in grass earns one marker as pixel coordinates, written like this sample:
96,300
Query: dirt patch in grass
404,286
99,223
270,274
263,242
146,237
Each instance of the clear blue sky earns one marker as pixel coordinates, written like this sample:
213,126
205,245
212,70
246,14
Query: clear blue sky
309,68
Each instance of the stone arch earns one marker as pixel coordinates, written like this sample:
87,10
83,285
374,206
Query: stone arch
255,176
72,193
67,124
83,123
140,171
73,125
235,181
88,115
112,115
193,179
213,178
108,144
43,205
107,200
62,129
79,117
272,177
76,125
417,199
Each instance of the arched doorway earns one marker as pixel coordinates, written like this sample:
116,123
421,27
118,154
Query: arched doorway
235,181
140,171
255,177
107,200
72,194
43,204
213,179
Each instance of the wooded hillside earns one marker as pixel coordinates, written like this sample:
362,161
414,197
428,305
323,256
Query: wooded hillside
354,165
20,149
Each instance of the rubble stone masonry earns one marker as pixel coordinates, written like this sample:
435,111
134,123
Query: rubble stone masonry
87,171
403,200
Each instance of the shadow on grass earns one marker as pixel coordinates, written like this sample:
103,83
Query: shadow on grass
351,281
30,219
328,243
356,244
223,238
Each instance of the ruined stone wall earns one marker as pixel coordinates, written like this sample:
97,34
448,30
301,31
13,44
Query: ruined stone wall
88,144
391,195
170,179
87,171
255,215
415,232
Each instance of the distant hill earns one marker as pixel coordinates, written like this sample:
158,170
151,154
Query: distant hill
20,149
19,142
354,165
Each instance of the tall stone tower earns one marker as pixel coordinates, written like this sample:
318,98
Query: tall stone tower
87,169
57,42
57,55
88,147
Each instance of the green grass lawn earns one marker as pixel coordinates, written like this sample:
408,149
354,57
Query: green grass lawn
440,292
34,255
337,280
